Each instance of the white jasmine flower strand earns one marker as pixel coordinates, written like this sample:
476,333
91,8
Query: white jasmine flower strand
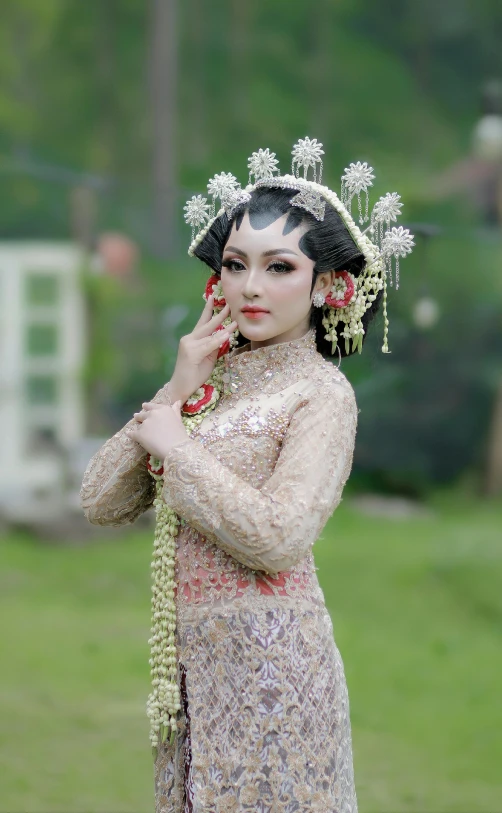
164,701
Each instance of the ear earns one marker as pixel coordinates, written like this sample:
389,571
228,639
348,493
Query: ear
324,282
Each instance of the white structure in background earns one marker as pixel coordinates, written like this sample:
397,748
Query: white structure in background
42,352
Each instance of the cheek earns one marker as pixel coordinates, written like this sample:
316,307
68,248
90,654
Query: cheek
230,285
292,290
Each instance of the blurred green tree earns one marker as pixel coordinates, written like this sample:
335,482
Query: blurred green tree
395,83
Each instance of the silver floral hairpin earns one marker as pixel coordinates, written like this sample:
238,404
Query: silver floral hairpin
357,178
397,242
307,153
262,165
221,186
197,212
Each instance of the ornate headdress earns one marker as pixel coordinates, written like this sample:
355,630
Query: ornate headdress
351,295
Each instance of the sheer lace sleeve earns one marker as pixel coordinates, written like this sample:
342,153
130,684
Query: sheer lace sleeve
116,487
274,527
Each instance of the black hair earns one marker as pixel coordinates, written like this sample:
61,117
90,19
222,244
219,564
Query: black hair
327,242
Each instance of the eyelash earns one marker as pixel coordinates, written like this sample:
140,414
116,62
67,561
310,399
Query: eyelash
286,267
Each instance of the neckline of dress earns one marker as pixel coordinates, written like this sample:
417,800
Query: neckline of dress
281,350
248,372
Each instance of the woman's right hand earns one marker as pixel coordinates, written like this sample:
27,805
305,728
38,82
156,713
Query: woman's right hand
198,352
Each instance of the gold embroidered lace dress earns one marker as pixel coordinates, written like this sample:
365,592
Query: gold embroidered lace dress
254,486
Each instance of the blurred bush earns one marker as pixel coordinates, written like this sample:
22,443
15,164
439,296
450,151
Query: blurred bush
373,82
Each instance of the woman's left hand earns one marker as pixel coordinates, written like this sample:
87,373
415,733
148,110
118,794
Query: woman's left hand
160,427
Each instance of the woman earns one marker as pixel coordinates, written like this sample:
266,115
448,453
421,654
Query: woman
264,720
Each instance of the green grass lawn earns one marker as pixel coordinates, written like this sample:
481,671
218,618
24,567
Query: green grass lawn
417,613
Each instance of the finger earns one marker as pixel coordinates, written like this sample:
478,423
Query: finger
205,329
222,333
206,311
141,415
151,405
215,341
208,326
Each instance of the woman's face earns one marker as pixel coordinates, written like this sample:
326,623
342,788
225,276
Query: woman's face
266,269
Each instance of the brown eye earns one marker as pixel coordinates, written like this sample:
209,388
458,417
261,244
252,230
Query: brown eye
281,267
233,265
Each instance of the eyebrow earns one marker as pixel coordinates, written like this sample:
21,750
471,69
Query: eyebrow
270,253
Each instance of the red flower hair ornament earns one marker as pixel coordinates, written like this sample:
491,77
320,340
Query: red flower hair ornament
213,287
347,277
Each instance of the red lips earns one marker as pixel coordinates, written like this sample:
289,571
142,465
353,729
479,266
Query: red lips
253,309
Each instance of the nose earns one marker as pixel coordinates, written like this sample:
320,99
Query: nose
253,284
